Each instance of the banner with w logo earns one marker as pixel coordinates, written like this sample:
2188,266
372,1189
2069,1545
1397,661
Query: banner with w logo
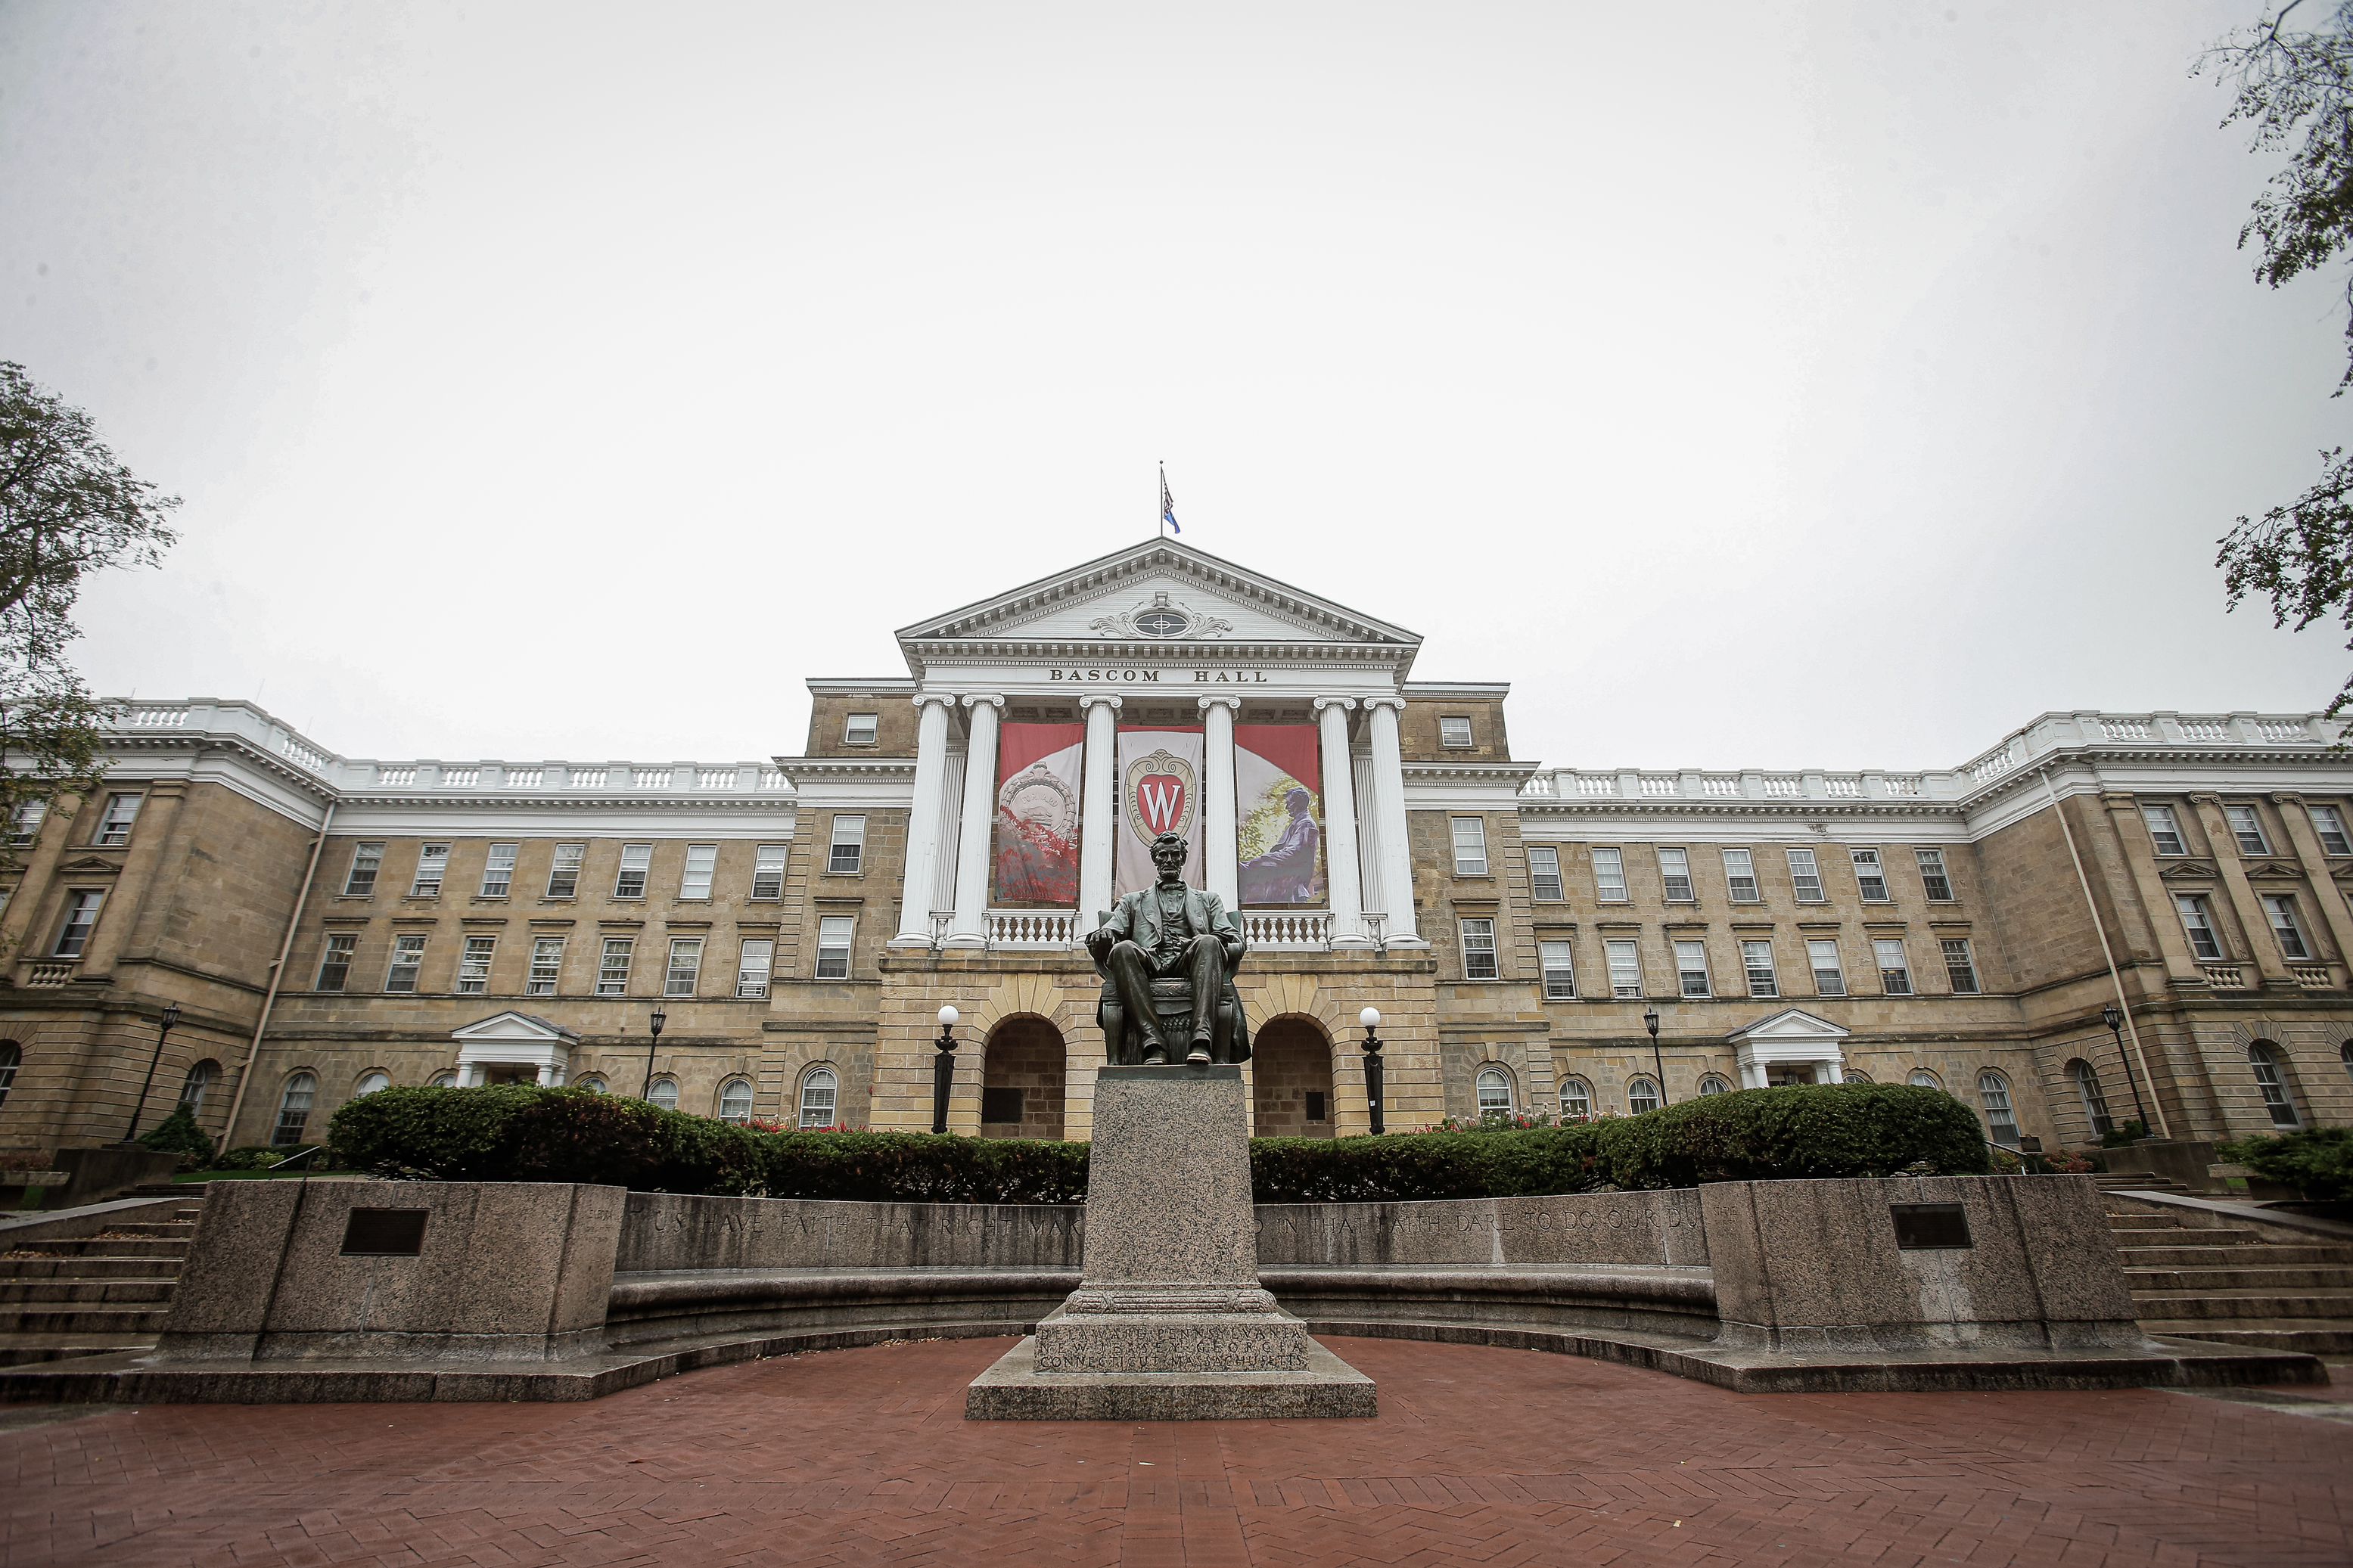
1159,791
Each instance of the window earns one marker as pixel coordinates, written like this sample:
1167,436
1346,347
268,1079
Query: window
122,810
1894,970
735,1100
702,860
1494,1091
335,964
1959,967
2282,915
1315,1106
858,729
563,872
1609,876
833,947
1642,1095
1470,846
2197,920
2329,826
294,1110
1000,1105
371,1083
81,914
1625,969
593,1085
474,964
407,958
2247,830
848,844
1934,880
1829,979
664,1093
2163,830
1994,1093
1805,876
768,871
1559,971
1454,730
192,1088
1757,958
546,966
1479,950
637,859
1712,1084
1869,878
685,965
26,826
613,967
816,1097
2096,1103
1854,1077
1576,1099
2344,1056
432,860
752,968
1674,875
366,860
2268,1079
1740,875
1923,1079
442,1080
498,870
1544,871
11,1057
1691,968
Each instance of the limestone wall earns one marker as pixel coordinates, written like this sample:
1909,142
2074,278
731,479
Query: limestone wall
1586,1229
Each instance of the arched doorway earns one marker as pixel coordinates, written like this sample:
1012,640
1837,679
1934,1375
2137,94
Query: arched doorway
1021,1079
1291,1079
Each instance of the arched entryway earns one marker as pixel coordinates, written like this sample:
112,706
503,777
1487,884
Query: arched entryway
1291,1079
1022,1079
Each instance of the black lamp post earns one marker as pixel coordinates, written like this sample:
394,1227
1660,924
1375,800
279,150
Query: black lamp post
658,1019
170,1016
943,1068
1650,1021
2113,1017
1371,1019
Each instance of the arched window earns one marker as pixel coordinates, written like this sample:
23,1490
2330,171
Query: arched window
1642,1095
1854,1075
294,1110
2274,1084
1923,1079
11,1057
1712,1084
664,1093
2095,1101
1576,1099
2345,1054
192,1088
1994,1090
818,1089
444,1080
593,1084
1494,1091
372,1082
735,1100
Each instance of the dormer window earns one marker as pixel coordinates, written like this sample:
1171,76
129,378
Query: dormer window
1454,731
860,729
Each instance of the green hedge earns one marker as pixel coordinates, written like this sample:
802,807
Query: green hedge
2319,1159
524,1134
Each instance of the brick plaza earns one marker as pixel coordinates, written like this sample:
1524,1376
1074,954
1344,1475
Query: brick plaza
1479,1455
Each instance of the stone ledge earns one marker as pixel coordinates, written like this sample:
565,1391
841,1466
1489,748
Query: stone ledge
1015,1390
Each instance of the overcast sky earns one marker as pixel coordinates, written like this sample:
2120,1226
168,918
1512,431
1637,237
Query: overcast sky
1747,384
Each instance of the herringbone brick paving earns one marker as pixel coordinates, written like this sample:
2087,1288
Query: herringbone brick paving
1488,1457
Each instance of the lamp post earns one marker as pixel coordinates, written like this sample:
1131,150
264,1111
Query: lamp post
2113,1017
1650,1021
658,1019
170,1016
943,1068
1371,1019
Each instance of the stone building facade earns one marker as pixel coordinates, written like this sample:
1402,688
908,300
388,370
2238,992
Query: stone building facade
329,924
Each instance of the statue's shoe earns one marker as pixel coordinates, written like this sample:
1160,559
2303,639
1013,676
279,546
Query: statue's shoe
1200,1049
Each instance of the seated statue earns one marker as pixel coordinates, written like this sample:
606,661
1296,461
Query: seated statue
1166,947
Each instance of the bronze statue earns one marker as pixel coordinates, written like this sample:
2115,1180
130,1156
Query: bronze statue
1167,957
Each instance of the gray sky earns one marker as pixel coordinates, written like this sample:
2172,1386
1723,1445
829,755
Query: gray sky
1750,384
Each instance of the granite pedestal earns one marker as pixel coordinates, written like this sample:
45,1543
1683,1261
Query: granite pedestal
1169,1320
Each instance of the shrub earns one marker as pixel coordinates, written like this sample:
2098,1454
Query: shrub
179,1134
521,1132
2319,1159
2131,1132
251,1157
924,1168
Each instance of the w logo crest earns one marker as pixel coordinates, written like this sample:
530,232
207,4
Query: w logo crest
1159,795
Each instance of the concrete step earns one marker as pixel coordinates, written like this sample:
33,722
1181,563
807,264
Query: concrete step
2238,1275
63,1268
2218,1236
120,1324
2320,1336
32,1350
102,1246
2192,1256
168,1190
113,1291
2208,1305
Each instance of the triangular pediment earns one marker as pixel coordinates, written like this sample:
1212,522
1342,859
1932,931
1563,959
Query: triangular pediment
2195,870
1161,592
512,1025
1789,1024
2274,868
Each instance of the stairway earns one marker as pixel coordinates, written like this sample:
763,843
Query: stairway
2264,1287
91,1295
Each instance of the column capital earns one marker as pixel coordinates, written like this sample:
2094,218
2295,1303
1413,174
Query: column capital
974,699
1342,703
945,698
1209,702
2207,799
1397,703
1088,699
2286,797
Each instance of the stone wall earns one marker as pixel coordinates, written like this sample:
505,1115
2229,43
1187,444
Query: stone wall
668,1230
1575,1229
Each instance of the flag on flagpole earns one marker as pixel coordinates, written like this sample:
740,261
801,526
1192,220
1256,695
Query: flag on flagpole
1168,502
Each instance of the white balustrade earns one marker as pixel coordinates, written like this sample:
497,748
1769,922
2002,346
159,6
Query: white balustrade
1662,783
588,778
714,778
1720,785
1596,784
772,778
2205,728
525,778
2126,729
1286,928
1540,784
395,778
1783,786
304,755
1992,765
1904,784
461,778
1032,928
653,778
1842,787
2282,729
154,718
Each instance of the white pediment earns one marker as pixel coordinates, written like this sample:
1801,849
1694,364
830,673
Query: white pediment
512,1025
1788,1024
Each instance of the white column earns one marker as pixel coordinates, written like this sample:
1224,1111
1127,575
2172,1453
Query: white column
924,813
1387,808
1099,809
1220,848
971,925
1340,822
